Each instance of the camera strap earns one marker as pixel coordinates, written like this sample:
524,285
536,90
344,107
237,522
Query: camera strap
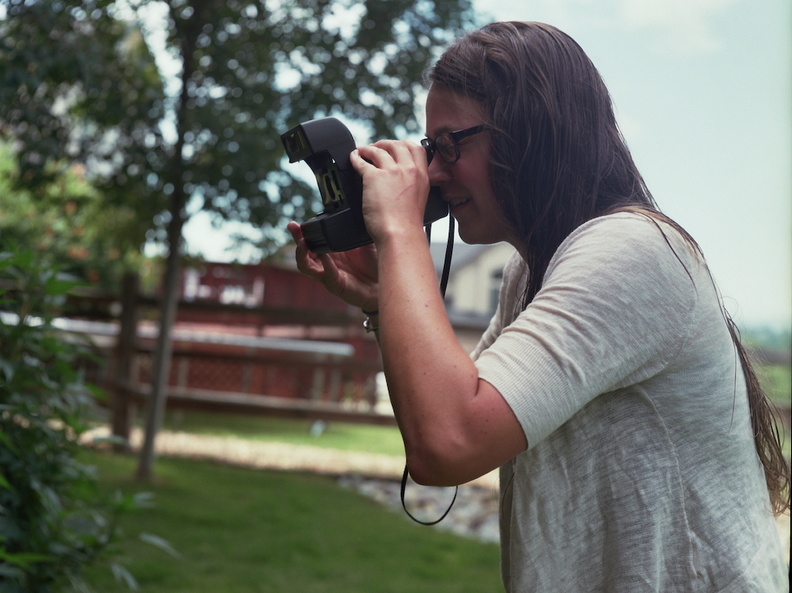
410,515
443,285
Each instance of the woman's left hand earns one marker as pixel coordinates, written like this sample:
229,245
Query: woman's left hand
395,185
349,275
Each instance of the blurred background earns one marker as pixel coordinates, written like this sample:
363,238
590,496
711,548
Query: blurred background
703,95
149,304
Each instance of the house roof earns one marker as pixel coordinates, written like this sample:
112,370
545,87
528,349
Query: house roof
461,256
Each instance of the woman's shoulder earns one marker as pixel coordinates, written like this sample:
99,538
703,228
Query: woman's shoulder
631,235
641,253
633,222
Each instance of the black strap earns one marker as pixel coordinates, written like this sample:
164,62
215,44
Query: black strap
443,284
447,262
410,515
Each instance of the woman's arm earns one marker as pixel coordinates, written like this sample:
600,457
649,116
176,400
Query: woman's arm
455,426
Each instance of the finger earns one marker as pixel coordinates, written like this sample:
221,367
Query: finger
295,230
331,277
307,264
373,155
366,160
401,149
306,260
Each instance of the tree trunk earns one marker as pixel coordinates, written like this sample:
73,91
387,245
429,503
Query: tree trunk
162,360
170,285
126,351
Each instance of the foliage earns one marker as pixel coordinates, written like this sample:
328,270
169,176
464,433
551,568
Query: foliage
770,338
79,81
79,86
249,72
68,221
52,521
241,530
201,122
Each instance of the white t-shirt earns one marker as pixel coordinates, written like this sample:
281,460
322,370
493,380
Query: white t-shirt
641,472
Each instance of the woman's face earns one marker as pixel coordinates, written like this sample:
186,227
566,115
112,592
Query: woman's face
465,184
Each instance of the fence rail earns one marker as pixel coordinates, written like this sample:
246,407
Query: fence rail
333,378
286,360
226,402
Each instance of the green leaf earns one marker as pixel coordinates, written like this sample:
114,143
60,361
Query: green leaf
11,572
7,369
24,560
5,439
121,574
55,286
159,543
111,440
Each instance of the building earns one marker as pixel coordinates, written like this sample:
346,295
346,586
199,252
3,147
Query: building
474,283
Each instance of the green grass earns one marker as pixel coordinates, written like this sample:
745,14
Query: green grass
240,530
337,435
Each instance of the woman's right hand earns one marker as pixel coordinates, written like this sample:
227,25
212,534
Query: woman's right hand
349,275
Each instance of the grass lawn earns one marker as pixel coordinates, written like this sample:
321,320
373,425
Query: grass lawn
241,530
336,435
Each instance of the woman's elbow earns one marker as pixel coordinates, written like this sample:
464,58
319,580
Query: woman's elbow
437,467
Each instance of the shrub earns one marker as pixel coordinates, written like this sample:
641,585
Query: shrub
52,522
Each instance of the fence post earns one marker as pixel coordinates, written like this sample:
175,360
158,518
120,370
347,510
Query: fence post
126,350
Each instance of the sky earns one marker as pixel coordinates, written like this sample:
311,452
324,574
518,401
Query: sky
703,94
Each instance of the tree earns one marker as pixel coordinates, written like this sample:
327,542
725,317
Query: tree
246,72
79,86
66,218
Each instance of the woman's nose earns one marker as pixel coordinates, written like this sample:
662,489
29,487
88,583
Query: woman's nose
439,171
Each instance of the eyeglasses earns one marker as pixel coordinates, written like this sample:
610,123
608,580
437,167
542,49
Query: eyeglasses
447,143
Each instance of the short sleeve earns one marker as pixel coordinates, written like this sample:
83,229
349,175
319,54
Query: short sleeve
614,309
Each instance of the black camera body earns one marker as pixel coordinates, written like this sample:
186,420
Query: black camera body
325,144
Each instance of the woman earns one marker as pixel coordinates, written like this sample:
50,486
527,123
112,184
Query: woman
610,387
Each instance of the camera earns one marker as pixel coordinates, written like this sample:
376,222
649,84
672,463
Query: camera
325,144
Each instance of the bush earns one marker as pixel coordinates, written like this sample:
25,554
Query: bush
52,523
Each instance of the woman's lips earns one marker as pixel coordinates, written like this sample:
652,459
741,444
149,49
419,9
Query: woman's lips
456,203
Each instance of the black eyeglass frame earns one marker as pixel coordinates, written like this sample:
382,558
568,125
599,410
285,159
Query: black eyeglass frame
431,145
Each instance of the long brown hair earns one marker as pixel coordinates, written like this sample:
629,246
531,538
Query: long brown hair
559,159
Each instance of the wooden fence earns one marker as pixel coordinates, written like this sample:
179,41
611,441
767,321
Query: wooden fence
303,362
